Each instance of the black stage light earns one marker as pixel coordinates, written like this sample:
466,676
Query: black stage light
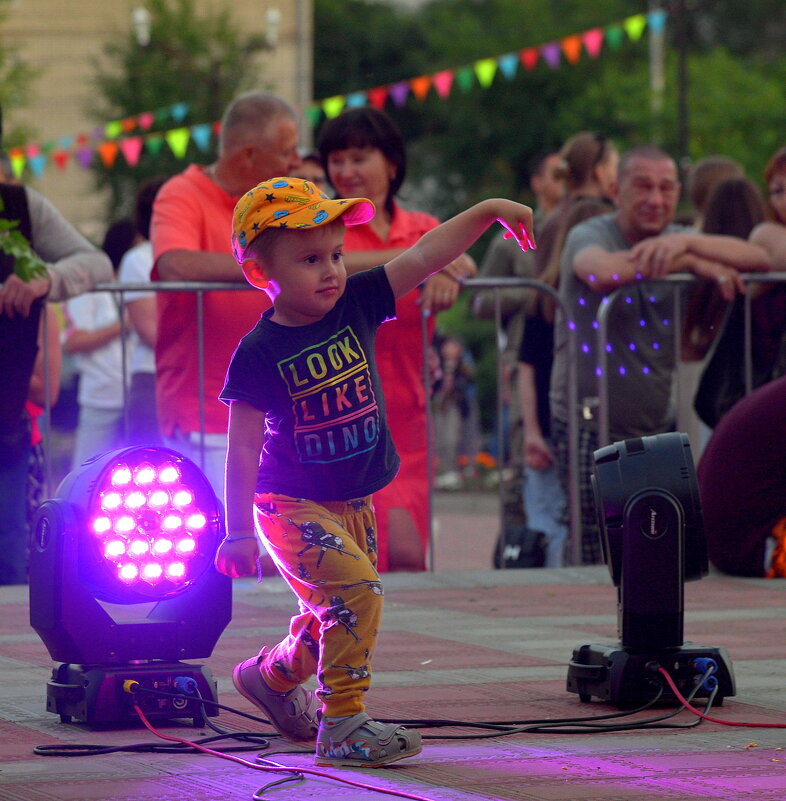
123,587
649,515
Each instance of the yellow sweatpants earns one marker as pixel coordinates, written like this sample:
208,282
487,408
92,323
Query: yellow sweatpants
327,553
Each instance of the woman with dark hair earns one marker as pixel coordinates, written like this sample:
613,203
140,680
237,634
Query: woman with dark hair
588,166
734,207
364,155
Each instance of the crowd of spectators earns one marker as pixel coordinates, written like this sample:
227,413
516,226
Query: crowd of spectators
607,225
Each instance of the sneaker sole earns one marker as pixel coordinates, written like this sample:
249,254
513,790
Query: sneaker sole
340,762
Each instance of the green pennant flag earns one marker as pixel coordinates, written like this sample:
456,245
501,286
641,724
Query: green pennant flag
465,78
178,139
486,69
614,36
154,143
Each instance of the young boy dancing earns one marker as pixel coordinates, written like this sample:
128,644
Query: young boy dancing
308,446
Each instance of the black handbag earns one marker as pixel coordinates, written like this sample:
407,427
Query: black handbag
519,546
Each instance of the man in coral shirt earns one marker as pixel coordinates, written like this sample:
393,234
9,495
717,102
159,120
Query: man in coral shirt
190,232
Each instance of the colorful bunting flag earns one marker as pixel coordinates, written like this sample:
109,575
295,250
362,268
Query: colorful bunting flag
486,69
420,86
571,47
178,139
442,82
132,149
118,135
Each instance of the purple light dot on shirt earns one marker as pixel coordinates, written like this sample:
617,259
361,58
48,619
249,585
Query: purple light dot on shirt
585,348
622,371
632,346
646,370
665,322
642,323
595,324
582,301
592,278
639,276
652,299
598,372
655,346
616,277
628,299
608,348
571,325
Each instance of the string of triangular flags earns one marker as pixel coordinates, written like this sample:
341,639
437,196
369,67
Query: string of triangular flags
131,136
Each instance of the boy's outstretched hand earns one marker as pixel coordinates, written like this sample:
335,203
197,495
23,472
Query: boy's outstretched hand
517,222
523,237
237,558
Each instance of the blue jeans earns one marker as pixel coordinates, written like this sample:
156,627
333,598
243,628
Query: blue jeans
544,501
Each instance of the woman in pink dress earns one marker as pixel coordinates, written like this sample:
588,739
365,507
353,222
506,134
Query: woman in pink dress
364,155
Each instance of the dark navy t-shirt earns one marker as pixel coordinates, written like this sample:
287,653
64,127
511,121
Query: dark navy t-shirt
326,438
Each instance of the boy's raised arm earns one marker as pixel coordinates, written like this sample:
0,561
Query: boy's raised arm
447,241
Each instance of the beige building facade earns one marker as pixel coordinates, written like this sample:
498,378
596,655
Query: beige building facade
63,39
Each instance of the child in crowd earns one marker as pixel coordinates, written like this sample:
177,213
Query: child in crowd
304,394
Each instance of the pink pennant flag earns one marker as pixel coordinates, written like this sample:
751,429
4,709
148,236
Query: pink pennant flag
593,41
146,119
571,47
443,81
420,86
132,148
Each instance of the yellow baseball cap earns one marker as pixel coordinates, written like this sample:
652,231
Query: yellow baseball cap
290,203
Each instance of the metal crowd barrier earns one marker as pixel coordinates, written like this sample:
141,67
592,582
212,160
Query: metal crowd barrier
497,284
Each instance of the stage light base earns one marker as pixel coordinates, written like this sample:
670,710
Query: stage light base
95,694
628,679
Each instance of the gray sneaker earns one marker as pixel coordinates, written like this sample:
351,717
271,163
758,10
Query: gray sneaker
293,714
360,742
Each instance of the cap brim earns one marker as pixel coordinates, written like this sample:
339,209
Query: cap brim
360,211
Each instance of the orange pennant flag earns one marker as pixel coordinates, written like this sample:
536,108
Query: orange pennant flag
420,86
108,153
571,47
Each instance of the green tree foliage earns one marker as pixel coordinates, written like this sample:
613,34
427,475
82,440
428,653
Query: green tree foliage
194,57
481,142
16,78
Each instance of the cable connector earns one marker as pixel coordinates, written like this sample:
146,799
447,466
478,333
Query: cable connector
131,686
185,685
706,667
